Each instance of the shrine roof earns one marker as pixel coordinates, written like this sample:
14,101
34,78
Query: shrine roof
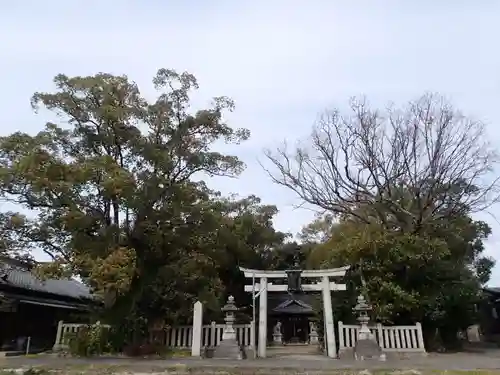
492,290
293,306
284,303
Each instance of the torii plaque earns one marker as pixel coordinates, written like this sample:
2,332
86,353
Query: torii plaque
324,285
294,279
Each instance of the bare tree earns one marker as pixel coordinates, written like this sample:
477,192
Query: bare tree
409,165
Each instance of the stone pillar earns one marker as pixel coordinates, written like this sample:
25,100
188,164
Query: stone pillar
59,336
262,318
252,335
197,329
331,349
420,336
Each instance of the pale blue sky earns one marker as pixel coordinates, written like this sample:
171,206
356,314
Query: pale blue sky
281,61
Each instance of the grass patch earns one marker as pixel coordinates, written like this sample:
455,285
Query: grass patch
178,353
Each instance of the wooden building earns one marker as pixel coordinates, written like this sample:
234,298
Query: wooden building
295,312
31,308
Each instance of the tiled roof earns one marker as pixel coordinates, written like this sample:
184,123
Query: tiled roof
286,303
492,289
22,278
294,306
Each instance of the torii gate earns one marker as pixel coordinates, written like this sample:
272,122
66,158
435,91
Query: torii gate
324,285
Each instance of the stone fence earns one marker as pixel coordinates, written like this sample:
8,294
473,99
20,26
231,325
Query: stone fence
182,336
390,339
66,330
179,337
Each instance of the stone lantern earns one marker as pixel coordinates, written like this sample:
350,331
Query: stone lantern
229,348
230,310
366,345
361,309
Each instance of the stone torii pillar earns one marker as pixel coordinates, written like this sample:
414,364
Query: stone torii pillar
331,348
262,318
323,285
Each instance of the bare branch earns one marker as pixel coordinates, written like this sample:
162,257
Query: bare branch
400,167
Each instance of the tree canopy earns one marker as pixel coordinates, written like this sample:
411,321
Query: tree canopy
115,193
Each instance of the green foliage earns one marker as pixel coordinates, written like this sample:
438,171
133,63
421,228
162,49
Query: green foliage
245,236
317,231
116,195
433,273
432,277
89,341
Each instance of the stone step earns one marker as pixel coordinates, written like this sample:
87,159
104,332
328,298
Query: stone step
292,350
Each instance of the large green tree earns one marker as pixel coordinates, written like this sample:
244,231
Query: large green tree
434,279
115,191
245,237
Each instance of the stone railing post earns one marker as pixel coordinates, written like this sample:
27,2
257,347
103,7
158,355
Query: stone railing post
420,337
380,336
59,336
252,335
197,329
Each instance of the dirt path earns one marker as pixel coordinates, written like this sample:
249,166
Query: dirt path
461,361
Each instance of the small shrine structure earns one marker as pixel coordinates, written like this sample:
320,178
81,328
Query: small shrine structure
320,281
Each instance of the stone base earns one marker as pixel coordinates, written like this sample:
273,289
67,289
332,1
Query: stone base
313,339
277,339
228,349
368,349
348,354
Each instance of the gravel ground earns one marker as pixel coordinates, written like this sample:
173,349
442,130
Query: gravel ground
460,361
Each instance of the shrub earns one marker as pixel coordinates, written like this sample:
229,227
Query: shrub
89,340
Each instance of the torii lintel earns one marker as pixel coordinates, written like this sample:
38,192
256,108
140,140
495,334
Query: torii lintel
331,272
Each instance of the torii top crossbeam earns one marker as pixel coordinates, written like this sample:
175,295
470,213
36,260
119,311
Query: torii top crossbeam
331,272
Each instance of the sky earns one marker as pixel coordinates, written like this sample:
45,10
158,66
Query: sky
283,62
